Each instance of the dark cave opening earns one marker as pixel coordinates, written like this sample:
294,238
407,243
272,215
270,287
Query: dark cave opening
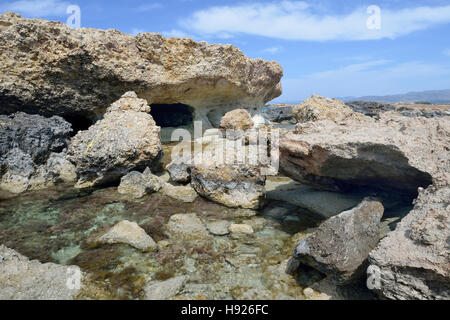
172,115
79,123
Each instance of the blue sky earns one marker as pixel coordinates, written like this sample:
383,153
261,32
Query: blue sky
325,46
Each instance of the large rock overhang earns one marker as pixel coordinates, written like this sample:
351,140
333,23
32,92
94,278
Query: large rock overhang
79,73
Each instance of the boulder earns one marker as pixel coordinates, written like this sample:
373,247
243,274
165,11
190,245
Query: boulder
138,184
181,193
128,233
22,279
179,170
340,246
35,135
235,186
50,69
238,119
32,152
126,139
395,153
413,261
320,108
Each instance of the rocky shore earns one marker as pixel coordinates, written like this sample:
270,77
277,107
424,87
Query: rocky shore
359,208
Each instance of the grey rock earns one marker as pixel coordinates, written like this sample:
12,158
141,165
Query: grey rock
279,113
233,185
218,228
165,290
22,279
179,170
138,184
35,135
413,261
126,139
181,193
340,246
129,233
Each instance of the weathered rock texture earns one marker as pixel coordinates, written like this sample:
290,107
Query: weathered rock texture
129,233
414,260
238,119
282,113
126,139
32,152
231,185
51,69
340,246
22,279
396,153
138,184
320,108
376,109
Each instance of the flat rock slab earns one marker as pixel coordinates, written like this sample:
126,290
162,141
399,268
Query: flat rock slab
22,279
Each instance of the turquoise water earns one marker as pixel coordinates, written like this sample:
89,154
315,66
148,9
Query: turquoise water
54,225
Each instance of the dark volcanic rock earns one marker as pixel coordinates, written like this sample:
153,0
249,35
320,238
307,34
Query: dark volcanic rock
279,113
35,135
341,245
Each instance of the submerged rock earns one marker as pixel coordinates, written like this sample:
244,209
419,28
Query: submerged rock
218,228
22,279
340,246
79,72
126,139
187,227
129,233
413,261
241,228
165,290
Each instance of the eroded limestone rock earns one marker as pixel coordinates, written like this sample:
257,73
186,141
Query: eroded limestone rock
126,139
22,279
53,70
341,245
129,233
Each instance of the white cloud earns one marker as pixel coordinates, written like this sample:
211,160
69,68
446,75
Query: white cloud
37,8
296,20
174,34
378,77
272,50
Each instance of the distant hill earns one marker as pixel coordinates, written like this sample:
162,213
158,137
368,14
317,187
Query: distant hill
434,96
